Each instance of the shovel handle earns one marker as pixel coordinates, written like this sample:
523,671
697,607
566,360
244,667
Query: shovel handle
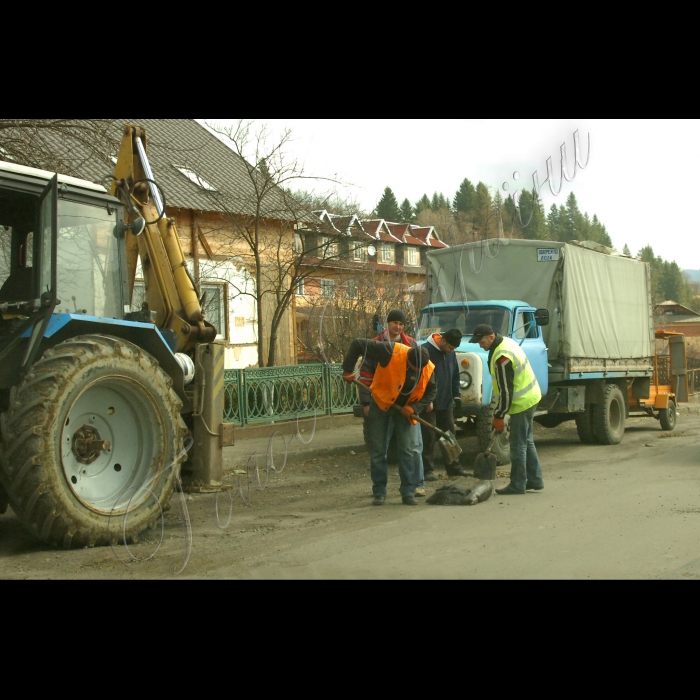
422,421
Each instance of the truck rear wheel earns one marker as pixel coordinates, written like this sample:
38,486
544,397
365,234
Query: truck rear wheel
92,443
584,426
667,416
4,501
484,436
609,417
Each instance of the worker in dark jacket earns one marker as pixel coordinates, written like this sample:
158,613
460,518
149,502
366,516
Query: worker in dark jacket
403,387
441,347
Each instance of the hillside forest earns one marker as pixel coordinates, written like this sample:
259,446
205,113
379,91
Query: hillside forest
473,214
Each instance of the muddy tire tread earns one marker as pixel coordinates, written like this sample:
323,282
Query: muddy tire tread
29,429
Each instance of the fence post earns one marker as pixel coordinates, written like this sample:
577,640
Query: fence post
243,397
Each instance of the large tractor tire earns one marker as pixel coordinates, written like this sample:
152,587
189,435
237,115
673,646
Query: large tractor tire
667,416
584,426
91,443
609,417
484,436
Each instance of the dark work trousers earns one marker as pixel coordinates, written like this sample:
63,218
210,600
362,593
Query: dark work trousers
445,421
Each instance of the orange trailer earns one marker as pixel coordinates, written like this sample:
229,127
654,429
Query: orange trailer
668,385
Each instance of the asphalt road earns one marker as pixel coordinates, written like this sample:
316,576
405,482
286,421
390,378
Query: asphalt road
631,511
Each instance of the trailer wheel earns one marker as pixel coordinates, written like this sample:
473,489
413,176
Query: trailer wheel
584,426
484,436
609,417
667,416
92,443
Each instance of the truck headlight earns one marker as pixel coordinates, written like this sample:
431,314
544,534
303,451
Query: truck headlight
465,380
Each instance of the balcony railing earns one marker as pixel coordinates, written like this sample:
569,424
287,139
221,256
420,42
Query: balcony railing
274,394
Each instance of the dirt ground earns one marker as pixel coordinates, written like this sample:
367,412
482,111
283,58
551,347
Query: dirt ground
628,511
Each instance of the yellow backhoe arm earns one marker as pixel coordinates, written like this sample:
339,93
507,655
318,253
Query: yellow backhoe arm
170,291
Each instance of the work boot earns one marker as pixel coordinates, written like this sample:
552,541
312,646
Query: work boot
378,501
509,490
409,501
456,470
531,487
420,493
430,476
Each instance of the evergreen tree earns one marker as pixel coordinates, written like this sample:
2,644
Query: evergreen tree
422,204
483,208
406,212
553,223
605,238
573,220
465,198
438,202
532,216
626,250
388,207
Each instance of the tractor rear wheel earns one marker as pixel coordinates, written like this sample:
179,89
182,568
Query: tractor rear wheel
92,443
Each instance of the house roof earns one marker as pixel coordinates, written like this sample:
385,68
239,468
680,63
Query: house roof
195,168
673,307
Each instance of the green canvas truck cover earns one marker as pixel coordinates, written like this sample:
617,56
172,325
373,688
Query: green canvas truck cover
599,301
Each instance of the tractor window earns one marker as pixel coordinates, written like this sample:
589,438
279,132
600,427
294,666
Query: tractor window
88,261
5,253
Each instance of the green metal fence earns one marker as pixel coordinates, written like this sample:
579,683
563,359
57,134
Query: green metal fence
284,393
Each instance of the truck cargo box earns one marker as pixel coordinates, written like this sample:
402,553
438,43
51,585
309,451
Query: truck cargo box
599,301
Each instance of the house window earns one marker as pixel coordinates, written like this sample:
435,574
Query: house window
327,287
387,254
301,287
298,243
359,253
214,307
412,256
330,249
352,289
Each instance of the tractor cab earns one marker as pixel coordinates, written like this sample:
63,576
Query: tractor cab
61,252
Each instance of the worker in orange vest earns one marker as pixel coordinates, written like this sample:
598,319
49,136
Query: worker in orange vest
403,387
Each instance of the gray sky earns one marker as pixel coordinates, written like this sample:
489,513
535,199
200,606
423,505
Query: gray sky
638,178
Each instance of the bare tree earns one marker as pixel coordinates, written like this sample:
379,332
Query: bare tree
336,320
279,238
58,145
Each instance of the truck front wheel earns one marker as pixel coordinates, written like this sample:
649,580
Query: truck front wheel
91,443
484,436
609,417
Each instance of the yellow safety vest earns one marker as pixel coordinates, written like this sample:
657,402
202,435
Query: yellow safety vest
526,390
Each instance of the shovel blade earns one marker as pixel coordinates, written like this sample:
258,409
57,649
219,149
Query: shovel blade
450,449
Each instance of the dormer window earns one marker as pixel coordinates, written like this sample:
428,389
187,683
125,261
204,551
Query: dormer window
329,247
359,254
192,176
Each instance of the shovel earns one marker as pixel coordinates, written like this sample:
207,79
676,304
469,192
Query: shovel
449,446
486,463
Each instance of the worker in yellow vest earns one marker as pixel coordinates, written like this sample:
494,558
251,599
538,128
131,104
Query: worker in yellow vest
403,380
517,393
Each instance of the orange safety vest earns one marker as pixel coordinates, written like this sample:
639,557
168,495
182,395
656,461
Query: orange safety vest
389,380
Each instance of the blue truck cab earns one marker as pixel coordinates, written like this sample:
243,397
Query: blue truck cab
512,318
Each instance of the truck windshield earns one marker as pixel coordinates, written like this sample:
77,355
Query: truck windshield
88,270
465,318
